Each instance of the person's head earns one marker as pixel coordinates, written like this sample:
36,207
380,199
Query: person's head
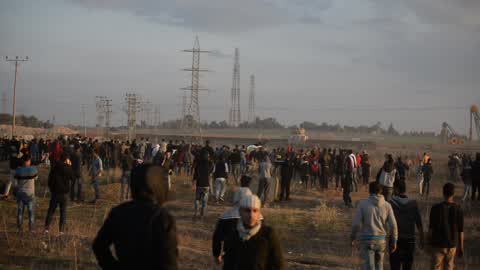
207,142
148,183
374,188
245,181
250,210
448,190
27,160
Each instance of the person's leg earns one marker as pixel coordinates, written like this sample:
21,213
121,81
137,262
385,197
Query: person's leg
283,188
395,260
20,207
474,190
379,254
218,187
63,213
287,189
449,261
96,189
266,189
438,256
223,189
79,188
72,189
203,211
408,256
51,210
31,213
197,201
260,188
368,256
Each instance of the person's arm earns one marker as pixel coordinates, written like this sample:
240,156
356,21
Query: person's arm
165,242
392,222
101,245
419,224
217,240
460,247
275,258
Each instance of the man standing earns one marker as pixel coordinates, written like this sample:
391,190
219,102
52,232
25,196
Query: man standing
201,183
96,169
476,178
446,231
264,181
248,243
235,159
373,218
77,170
26,176
286,174
220,174
407,216
58,184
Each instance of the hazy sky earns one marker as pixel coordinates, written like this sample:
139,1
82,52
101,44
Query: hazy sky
415,63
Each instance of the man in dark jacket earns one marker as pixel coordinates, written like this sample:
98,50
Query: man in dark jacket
142,232
59,185
476,177
201,182
286,174
248,243
408,217
76,159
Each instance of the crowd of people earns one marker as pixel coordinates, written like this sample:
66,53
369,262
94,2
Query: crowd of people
385,221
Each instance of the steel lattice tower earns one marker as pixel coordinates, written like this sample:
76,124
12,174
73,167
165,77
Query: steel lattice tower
234,118
191,121
133,104
251,100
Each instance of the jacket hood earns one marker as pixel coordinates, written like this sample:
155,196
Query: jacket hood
377,200
400,200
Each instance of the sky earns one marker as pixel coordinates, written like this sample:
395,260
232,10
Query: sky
415,63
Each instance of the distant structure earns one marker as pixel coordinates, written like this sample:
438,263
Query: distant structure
234,117
146,113
104,111
156,120
251,100
132,107
4,102
191,121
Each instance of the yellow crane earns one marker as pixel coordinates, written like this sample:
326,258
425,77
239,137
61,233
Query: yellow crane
474,121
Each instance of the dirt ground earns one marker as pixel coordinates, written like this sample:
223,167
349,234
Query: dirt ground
314,227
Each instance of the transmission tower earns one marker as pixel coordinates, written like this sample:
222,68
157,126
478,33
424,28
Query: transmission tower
251,100
191,121
104,111
4,102
234,118
132,107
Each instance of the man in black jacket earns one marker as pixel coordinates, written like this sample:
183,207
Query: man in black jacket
408,217
248,243
76,159
59,185
476,178
142,232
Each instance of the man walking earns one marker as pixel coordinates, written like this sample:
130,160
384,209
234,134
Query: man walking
201,183
220,174
96,169
248,243
235,159
26,176
77,170
58,183
446,231
265,178
373,218
408,217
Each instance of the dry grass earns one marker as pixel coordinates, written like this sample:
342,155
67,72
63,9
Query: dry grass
314,229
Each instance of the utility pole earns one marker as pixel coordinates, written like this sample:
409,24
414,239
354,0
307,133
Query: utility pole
104,110
84,120
192,125
16,60
4,102
251,100
234,119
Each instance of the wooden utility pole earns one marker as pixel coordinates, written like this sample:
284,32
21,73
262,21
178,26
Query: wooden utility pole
16,60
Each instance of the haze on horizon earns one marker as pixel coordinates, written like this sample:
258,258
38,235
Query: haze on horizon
415,63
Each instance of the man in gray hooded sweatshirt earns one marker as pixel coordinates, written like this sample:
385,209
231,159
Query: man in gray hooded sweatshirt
373,217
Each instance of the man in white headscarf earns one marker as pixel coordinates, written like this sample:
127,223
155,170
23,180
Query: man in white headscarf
248,243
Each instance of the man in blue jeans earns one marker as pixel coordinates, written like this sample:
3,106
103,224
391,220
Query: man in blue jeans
373,217
25,191
96,169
